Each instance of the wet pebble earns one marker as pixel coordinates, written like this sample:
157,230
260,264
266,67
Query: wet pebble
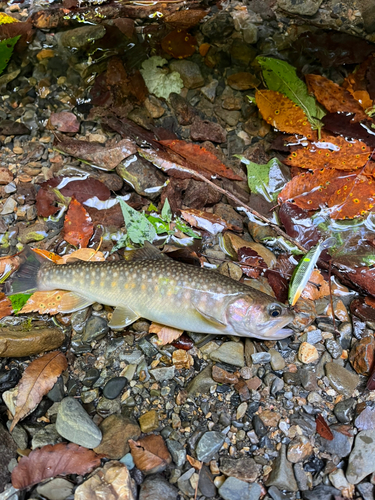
362,457
334,348
46,435
209,444
177,451
202,383
245,469
206,483
234,488
344,410
231,353
56,489
277,361
321,492
308,380
91,377
156,487
299,450
96,328
312,337
164,373
189,71
362,355
282,475
261,357
114,387
149,421
341,379
366,419
57,392
222,376
116,431
74,424
308,353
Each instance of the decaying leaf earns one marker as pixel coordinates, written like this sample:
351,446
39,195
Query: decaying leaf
150,454
238,243
194,462
165,334
78,226
138,228
50,461
282,113
50,302
205,220
333,97
317,287
344,124
5,306
179,44
38,379
322,428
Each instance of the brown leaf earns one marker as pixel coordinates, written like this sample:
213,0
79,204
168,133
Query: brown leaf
50,461
179,44
150,454
78,226
165,334
322,428
5,306
237,242
205,220
316,288
194,462
38,379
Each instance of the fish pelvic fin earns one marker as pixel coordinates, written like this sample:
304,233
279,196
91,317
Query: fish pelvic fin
122,317
24,280
147,252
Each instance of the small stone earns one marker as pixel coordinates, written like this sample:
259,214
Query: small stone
321,492
96,328
261,358
206,483
282,475
164,373
111,481
88,396
241,410
338,479
74,424
341,312
245,469
202,383
184,482
344,410
231,353
232,103
6,176
235,489
149,421
182,359
269,418
362,457
156,487
154,106
243,81
277,361
300,7
308,380
341,379
189,71
308,353
334,348
177,451
9,206
366,419
205,130
312,336
64,122
91,377
259,427
303,478
222,376
117,430
57,392
209,91
362,355
299,450
46,435
209,444
366,490
56,489
19,435
82,37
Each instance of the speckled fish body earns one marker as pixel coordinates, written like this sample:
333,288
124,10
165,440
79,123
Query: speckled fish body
170,293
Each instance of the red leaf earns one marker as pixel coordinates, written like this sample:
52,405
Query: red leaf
322,428
5,306
78,226
50,461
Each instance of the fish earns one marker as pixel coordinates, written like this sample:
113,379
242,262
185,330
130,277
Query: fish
148,284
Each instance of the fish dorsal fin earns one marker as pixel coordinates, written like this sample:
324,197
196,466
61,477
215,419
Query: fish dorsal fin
72,302
148,251
122,316
218,322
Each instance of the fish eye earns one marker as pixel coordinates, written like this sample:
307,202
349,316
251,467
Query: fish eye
275,310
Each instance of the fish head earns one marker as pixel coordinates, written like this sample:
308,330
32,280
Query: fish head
262,319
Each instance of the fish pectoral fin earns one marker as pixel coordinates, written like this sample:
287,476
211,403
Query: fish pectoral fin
71,302
212,319
122,316
147,252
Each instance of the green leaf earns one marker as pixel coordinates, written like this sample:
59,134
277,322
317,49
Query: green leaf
282,77
166,213
184,228
159,224
138,228
6,50
19,300
266,180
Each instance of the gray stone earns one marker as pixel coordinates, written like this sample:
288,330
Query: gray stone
312,337
177,451
303,478
321,492
334,348
209,444
340,445
82,37
57,392
366,419
202,383
235,489
114,387
19,435
261,357
366,490
308,380
209,91
142,176
344,410
231,353
184,483
245,469
341,379
96,328
56,489
164,373
206,483
155,487
277,361
362,457
8,451
148,349
91,377
189,71
46,435
300,7
218,27
282,475
74,424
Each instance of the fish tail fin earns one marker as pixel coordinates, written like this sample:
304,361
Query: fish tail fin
24,280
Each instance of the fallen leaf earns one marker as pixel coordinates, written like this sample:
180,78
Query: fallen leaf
166,334
48,302
78,226
179,44
5,306
238,243
333,97
370,78
95,153
343,124
51,461
348,195
38,379
21,31
48,255
282,113
18,300
15,342
355,83
322,428
316,288
185,19
201,159
330,151
251,262
266,180
205,220
297,224
86,254
194,462
11,127
150,454
85,189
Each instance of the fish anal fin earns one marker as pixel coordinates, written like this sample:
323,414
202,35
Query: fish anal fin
71,302
122,317
219,323
147,252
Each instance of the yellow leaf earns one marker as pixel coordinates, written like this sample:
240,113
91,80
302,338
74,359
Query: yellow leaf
5,19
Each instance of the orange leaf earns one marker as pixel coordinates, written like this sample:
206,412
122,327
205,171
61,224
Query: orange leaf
331,151
333,97
5,306
166,334
179,44
347,194
50,461
194,462
78,226
316,288
45,302
150,454
322,428
38,379
355,83
8,264
282,113
87,254
201,159
48,255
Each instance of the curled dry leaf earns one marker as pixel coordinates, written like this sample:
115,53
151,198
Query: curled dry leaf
38,379
205,220
194,462
50,461
165,334
78,226
150,454
282,113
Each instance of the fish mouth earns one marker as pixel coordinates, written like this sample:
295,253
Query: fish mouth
274,330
